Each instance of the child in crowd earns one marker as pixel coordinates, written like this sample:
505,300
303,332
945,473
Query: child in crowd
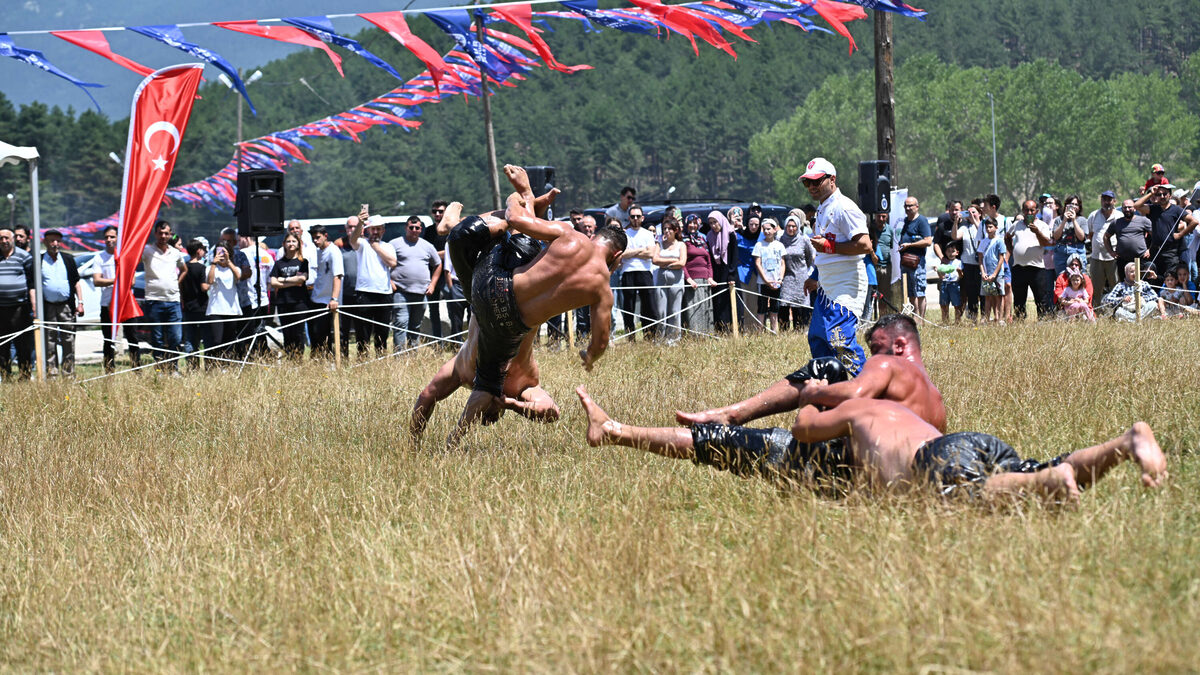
768,261
1183,275
1179,300
992,274
949,290
1075,301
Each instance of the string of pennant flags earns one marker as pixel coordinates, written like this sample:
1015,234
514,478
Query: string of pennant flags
502,57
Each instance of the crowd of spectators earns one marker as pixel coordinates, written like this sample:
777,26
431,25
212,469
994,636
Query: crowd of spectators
674,277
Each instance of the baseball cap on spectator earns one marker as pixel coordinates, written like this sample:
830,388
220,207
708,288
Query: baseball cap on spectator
819,167
1157,168
47,233
1167,186
1109,193
375,221
1178,193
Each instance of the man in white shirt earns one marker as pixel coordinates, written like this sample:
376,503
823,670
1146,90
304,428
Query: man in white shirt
839,282
104,279
1102,267
163,266
1028,237
373,286
637,275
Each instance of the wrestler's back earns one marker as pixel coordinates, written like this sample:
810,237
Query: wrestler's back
566,275
910,386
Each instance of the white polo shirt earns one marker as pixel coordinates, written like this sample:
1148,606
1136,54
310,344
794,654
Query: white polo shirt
373,275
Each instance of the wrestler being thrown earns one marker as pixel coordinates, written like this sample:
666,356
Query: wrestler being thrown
891,446
514,284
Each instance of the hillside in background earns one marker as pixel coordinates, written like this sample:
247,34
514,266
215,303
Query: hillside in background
651,114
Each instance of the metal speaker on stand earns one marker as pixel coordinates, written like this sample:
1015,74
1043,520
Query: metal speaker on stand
259,205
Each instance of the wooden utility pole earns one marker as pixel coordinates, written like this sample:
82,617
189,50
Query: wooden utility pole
885,123
885,93
493,171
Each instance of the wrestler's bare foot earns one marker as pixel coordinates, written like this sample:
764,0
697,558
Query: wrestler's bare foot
519,179
542,204
706,417
1148,454
599,423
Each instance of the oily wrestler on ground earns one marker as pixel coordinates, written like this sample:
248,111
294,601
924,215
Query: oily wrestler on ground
514,283
890,446
894,372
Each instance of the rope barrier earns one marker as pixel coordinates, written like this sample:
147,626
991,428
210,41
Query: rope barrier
183,355
655,322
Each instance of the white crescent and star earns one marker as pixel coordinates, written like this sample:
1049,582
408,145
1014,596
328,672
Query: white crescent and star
160,162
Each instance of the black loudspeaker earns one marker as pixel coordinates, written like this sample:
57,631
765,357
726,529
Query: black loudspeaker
259,206
875,186
541,179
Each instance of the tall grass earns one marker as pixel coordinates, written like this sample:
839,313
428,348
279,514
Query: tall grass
281,520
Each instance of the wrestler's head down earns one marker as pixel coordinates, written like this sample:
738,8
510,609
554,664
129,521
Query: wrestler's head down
616,241
894,335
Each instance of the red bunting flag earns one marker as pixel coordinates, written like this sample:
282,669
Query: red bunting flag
521,16
687,23
94,41
282,34
162,106
397,27
836,13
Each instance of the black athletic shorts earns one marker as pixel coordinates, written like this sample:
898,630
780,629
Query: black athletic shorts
968,458
827,368
769,453
468,242
500,326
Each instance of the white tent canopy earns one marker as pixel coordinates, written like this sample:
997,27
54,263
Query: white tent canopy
11,154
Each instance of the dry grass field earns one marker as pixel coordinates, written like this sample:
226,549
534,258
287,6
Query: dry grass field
281,520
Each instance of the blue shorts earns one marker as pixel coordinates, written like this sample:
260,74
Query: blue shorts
951,294
916,280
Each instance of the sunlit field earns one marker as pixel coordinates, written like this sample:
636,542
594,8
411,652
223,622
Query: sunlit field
282,520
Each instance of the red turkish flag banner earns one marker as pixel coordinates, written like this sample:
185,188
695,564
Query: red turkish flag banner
162,105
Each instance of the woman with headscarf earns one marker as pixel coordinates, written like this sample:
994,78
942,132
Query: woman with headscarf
795,307
747,276
698,278
722,247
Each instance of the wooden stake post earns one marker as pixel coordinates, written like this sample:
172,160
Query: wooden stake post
733,309
1137,291
337,339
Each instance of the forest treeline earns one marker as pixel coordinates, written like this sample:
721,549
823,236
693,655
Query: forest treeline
1086,94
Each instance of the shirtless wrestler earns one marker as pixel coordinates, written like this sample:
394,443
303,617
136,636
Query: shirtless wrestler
890,445
894,372
513,284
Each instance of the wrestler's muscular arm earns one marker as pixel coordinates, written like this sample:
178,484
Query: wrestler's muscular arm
871,382
601,313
